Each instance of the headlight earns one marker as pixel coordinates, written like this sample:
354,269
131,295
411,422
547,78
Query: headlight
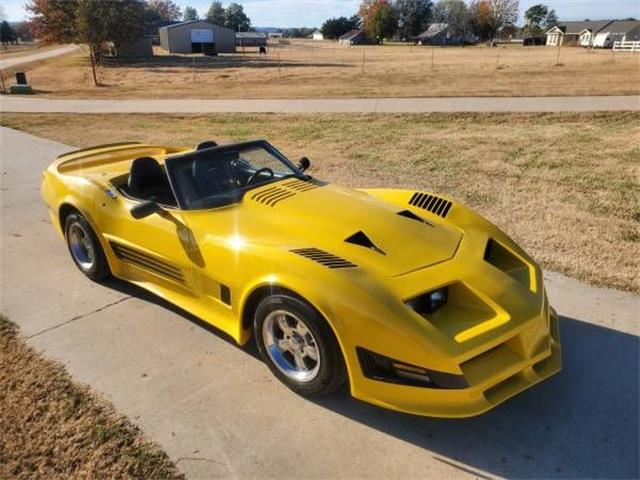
428,302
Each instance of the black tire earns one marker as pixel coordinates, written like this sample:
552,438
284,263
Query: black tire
99,267
332,372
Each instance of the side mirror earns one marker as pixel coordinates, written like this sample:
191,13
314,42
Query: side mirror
145,209
304,163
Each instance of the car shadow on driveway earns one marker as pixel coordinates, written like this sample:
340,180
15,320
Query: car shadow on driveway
581,423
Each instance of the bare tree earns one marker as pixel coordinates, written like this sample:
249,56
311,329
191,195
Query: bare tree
502,13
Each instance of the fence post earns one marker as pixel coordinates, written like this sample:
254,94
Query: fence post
363,59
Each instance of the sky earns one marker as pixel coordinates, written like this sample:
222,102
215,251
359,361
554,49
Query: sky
312,13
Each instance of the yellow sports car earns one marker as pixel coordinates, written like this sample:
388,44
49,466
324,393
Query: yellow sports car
416,301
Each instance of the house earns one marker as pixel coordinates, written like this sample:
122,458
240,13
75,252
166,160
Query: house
617,31
575,33
439,34
276,34
197,36
251,39
317,36
354,37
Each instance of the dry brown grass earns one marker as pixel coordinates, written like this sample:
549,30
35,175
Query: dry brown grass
566,186
52,427
306,69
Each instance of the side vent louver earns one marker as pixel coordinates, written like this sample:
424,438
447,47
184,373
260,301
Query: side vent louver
274,195
431,203
147,262
324,258
361,239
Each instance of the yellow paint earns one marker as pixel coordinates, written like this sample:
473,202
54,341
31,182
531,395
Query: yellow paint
247,246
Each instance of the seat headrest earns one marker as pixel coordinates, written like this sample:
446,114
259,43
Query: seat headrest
145,172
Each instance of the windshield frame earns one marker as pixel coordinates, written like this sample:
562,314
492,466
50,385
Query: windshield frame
172,162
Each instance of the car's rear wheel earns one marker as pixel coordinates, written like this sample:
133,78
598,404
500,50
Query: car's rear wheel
85,248
298,345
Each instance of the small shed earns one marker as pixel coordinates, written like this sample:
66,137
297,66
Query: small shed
317,36
197,36
251,39
354,37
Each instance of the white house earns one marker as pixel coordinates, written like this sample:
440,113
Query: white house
617,31
318,36
575,33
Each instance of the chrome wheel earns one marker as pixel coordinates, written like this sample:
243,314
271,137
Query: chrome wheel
291,346
81,246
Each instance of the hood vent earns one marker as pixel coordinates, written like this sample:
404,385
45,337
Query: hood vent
301,185
361,239
274,195
409,214
431,203
324,258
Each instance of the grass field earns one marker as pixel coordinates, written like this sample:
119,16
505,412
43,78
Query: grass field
308,69
566,186
53,427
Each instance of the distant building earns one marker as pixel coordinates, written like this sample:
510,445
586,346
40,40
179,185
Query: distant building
439,34
354,37
276,34
617,31
317,36
197,36
251,39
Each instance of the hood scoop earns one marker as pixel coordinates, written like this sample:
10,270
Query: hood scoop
361,239
431,203
412,216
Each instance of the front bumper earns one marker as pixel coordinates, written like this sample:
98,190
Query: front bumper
494,376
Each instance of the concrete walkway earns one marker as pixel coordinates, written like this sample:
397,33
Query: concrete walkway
218,411
33,57
329,105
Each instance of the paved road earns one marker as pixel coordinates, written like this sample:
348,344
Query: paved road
15,61
329,105
218,411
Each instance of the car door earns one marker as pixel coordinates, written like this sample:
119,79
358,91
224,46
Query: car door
155,249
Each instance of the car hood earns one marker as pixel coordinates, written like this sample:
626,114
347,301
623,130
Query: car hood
352,225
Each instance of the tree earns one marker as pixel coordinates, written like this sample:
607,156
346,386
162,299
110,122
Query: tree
215,14
92,22
7,34
23,31
501,13
413,17
534,16
455,15
551,20
190,14
336,27
236,19
365,6
161,10
381,21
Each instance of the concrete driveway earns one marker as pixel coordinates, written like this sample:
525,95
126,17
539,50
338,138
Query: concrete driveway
218,412
322,105
36,56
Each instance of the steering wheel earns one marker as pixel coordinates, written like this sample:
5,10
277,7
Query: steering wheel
258,172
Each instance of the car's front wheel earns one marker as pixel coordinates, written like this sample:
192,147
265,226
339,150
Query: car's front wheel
298,345
85,248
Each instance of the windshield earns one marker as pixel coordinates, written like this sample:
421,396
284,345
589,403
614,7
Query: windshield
220,176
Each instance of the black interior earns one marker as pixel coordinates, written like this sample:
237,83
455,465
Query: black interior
148,181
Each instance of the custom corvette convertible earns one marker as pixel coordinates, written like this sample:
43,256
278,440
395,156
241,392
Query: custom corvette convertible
415,301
